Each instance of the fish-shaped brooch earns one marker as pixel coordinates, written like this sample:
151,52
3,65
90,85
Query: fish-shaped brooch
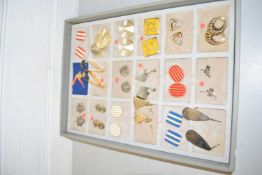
193,137
195,115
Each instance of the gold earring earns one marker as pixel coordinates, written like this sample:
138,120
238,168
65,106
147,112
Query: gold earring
215,34
175,24
177,38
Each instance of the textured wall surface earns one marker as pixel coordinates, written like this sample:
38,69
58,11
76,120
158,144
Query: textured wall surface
94,160
30,71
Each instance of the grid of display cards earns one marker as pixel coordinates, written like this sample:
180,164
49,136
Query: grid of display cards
161,80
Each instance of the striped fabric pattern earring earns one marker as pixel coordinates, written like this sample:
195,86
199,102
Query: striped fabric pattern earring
174,119
80,35
176,89
80,52
173,138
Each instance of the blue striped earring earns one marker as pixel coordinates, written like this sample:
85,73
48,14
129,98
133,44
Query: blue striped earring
174,119
173,138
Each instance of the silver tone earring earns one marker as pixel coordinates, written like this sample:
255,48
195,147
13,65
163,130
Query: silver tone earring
125,87
206,71
143,77
144,92
124,70
211,93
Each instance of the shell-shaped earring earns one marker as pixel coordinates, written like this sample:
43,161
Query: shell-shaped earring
175,24
177,38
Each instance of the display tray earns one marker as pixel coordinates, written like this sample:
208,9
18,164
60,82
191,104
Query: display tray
157,80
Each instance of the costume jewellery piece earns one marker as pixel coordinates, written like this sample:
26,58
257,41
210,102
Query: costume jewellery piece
140,118
143,77
80,52
177,38
98,124
115,130
176,89
211,92
175,24
174,119
80,35
101,41
80,120
195,115
207,71
125,46
88,73
124,70
126,28
215,34
125,87
150,47
140,103
116,111
173,137
193,137
143,92
100,108
151,26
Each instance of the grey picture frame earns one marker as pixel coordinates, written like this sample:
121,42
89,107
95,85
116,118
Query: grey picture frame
158,155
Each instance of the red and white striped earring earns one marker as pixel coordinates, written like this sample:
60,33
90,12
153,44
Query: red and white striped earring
80,52
80,35
176,89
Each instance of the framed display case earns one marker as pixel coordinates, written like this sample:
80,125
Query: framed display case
157,80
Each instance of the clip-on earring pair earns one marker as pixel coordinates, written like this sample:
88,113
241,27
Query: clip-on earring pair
177,37
125,86
80,120
79,51
173,137
125,46
176,89
210,91
90,75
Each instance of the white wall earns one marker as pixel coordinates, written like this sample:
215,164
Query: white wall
30,75
94,160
